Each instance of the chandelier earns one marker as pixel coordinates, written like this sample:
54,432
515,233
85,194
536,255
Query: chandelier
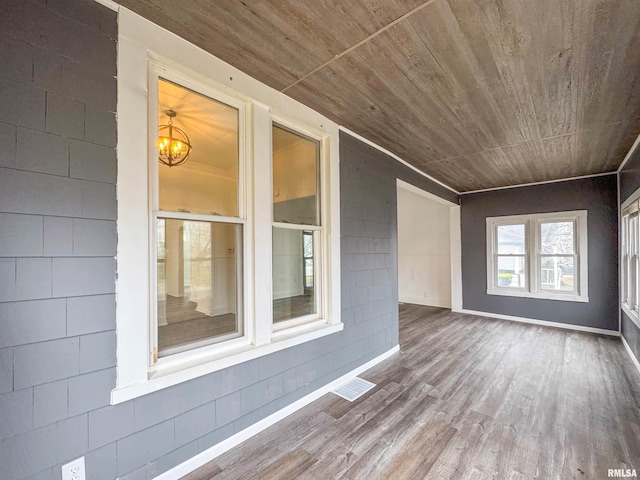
173,143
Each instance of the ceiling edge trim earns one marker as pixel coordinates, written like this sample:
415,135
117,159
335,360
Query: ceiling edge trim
423,193
567,179
109,4
395,157
630,153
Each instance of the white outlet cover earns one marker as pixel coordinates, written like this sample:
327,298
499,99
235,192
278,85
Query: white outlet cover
74,470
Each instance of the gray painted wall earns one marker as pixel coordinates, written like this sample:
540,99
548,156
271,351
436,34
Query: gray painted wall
57,271
629,178
597,195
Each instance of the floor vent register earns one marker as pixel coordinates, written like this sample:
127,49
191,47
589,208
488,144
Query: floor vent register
354,389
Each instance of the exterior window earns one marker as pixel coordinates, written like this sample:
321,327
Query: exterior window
538,256
511,256
297,227
630,249
557,256
228,223
199,231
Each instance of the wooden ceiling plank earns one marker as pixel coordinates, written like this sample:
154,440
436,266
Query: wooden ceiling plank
609,62
459,39
477,93
419,88
551,34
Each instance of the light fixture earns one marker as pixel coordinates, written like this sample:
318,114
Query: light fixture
173,143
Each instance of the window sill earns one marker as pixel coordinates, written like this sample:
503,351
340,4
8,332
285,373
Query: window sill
540,295
196,367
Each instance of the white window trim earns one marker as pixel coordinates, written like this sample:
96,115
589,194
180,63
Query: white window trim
625,307
322,282
156,71
532,222
140,42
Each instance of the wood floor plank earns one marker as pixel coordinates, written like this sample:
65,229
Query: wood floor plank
466,398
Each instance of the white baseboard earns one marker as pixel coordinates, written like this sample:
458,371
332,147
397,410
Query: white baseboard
427,301
630,352
567,326
226,445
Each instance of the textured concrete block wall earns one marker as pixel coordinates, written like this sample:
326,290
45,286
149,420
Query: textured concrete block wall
57,271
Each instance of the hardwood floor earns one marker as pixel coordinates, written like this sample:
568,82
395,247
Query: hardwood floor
466,398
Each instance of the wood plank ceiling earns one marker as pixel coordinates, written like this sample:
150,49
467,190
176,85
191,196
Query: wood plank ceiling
476,93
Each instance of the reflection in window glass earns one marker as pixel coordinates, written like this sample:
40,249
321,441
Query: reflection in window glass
511,239
295,178
556,273
512,271
307,240
293,276
556,237
199,270
208,182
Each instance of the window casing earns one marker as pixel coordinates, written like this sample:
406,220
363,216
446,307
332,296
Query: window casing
630,250
297,226
538,256
148,55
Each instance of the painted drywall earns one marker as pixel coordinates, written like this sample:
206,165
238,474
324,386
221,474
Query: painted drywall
424,256
597,195
629,178
58,272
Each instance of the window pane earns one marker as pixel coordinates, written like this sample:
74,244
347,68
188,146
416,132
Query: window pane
293,276
208,182
512,272
556,237
511,239
557,273
296,177
199,269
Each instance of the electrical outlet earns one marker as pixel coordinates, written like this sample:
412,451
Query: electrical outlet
74,470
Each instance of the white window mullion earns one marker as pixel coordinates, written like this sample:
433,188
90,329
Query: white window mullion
262,220
533,251
153,217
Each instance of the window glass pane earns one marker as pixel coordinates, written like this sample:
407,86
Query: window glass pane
293,275
556,237
511,239
207,182
199,269
557,273
296,177
512,272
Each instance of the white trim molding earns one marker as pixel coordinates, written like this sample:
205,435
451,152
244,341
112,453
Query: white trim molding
629,154
634,360
235,440
567,179
423,193
455,239
110,4
544,323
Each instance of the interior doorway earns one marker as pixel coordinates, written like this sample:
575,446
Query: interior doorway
428,249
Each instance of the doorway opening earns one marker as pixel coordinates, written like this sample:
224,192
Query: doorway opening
429,271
